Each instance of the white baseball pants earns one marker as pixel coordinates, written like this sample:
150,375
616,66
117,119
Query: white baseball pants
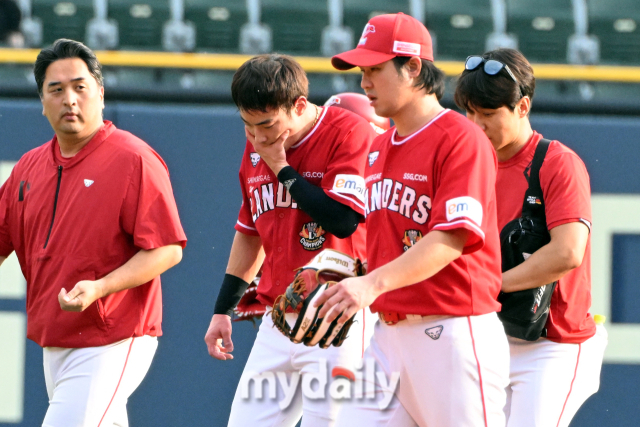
89,387
274,362
453,372
550,381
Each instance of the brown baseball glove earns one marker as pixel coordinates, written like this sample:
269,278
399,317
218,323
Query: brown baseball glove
323,271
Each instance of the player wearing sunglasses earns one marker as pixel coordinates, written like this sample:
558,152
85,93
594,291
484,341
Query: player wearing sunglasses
551,377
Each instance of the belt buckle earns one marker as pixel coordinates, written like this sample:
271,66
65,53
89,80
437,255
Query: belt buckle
389,318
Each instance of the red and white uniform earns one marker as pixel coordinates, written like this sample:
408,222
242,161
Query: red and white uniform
571,355
332,156
79,219
451,351
435,179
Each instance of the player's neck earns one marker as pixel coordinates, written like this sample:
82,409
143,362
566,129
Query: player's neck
309,118
414,115
524,135
71,144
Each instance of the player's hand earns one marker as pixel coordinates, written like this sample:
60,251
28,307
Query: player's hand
83,294
347,297
273,153
218,337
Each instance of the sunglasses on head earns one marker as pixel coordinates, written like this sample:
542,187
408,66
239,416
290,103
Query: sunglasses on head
491,66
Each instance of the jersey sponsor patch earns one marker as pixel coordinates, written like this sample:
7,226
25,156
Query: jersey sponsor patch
373,156
411,237
464,207
309,174
350,184
435,332
312,236
255,158
415,177
88,182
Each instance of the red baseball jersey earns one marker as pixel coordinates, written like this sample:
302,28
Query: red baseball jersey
441,177
331,156
567,198
80,219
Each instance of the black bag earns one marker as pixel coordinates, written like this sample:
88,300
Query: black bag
524,313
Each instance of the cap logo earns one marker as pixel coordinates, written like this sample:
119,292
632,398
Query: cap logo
406,48
368,29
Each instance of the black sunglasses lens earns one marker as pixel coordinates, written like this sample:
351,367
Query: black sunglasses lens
493,67
473,62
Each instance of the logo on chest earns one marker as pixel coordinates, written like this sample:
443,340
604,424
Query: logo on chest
373,157
311,236
411,237
255,158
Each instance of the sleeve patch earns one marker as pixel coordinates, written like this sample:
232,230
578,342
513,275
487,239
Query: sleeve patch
464,207
350,184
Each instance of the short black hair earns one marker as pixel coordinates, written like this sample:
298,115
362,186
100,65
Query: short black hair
270,81
63,49
475,88
431,78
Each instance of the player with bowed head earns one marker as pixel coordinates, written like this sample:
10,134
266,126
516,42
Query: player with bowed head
92,219
249,307
551,377
432,244
295,203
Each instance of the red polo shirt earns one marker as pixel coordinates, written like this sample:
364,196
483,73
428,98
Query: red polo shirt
567,198
80,219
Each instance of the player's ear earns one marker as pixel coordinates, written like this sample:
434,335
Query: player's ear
300,106
523,107
413,67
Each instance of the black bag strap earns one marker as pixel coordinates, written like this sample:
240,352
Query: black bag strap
533,204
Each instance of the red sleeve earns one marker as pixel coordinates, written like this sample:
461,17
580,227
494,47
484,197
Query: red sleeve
149,211
343,180
245,222
6,247
566,190
464,196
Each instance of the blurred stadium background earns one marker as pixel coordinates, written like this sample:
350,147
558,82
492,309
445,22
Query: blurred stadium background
168,66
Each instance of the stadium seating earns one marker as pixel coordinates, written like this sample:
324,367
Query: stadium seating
296,25
617,24
358,12
217,23
543,28
460,26
63,19
140,22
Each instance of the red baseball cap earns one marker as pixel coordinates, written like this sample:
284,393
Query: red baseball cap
385,37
